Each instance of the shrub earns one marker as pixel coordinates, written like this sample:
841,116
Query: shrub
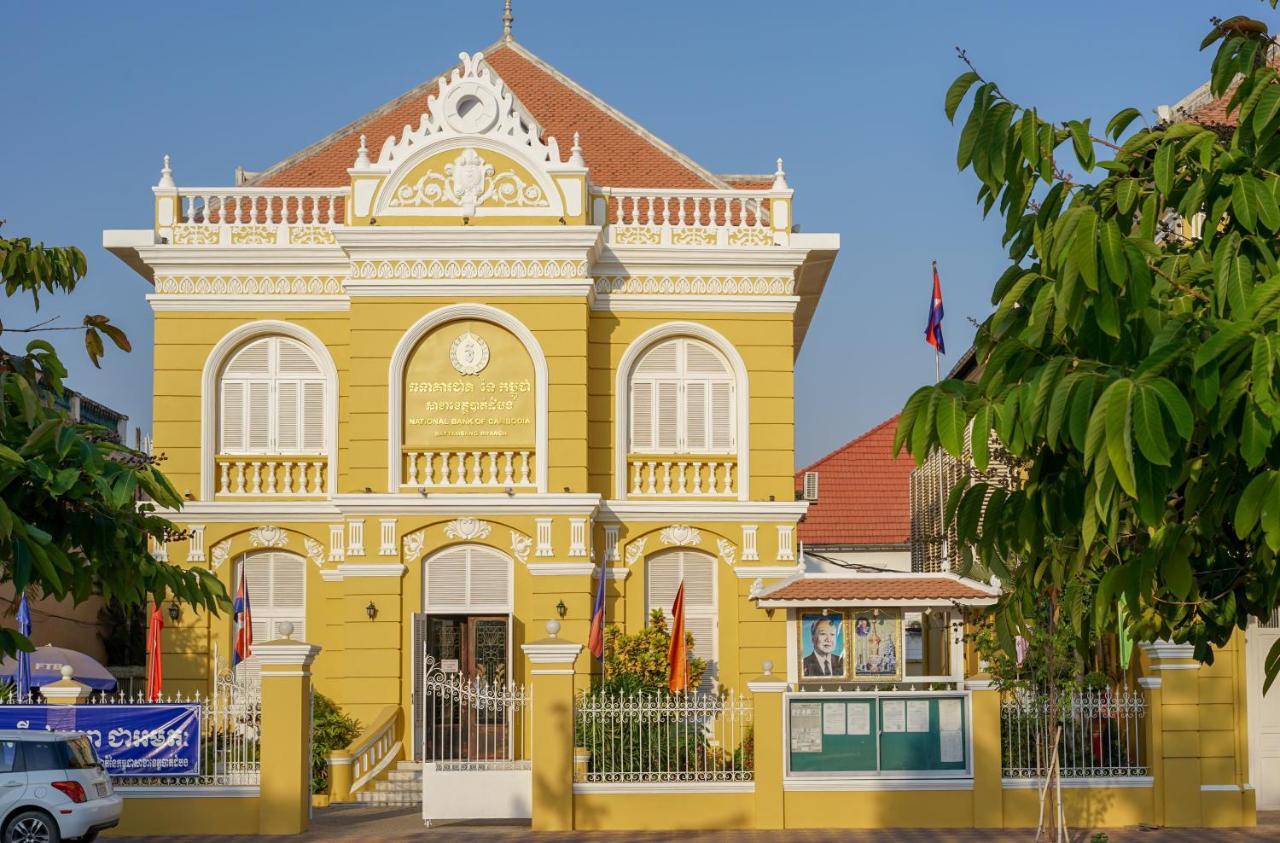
330,730
638,661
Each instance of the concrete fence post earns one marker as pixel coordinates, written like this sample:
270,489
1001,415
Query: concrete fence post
285,745
988,789
767,748
551,667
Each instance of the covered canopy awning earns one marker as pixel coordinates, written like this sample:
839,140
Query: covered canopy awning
865,590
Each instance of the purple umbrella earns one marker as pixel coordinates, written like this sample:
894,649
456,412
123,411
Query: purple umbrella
47,663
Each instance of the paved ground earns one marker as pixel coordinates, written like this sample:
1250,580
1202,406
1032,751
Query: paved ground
391,824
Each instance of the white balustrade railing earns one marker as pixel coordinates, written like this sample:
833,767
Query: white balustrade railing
261,205
284,476
1102,734
654,475
639,216
375,748
647,737
468,469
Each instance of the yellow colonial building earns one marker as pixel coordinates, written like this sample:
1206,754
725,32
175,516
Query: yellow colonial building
427,380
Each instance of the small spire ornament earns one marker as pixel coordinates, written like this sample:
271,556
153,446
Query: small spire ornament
362,155
507,20
166,175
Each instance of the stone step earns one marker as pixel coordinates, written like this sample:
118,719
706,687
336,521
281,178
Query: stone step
389,799
405,776
409,765
397,787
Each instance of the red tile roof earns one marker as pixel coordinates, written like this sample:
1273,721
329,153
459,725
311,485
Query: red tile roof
1203,108
863,493
854,588
619,152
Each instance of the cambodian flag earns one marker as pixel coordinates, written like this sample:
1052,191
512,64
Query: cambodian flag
933,331
595,641
242,623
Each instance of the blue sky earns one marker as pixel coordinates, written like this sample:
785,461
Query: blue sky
849,93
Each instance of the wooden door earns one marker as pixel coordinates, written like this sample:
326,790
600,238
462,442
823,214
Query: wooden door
487,652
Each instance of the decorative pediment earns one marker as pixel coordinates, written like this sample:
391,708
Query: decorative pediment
476,153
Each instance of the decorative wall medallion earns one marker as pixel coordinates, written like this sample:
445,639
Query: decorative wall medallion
315,550
467,529
727,550
220,553
469,354
681,534
469,182
520,546
635,550
413,546
268,536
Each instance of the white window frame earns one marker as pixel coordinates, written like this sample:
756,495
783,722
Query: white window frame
273,379
681,379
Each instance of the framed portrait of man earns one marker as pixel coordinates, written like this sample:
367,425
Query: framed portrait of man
877,645
822,646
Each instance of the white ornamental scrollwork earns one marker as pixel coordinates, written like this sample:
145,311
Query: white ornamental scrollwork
635,550
469,182
681,534
412,546
315,550
467,529
268,536
727,551
520,546
757,587
220,553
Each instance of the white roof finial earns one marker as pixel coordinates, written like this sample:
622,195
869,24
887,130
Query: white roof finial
507,20
575,153
780,178
166,175
362,155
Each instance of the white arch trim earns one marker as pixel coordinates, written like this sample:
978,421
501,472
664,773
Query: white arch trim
622,398
395,379
209,393
506,608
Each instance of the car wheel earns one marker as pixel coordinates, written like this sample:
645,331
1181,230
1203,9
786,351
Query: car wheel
32,827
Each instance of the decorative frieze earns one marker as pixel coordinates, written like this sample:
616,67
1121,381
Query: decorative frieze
187,234
268,536
195,542
704,285
310,235
253,235
453,269
249,285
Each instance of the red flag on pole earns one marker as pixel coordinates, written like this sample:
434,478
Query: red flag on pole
155,668
678,651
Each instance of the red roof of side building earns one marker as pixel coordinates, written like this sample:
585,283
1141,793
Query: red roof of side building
866,589
863,493
1202,107
619,152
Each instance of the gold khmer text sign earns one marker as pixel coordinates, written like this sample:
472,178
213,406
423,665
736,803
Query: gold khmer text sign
469,385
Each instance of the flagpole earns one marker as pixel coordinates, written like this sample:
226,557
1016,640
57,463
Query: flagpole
942,506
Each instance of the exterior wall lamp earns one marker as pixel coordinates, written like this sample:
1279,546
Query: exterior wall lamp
174,611
371,610
561,609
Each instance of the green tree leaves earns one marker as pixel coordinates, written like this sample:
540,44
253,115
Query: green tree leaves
1130,370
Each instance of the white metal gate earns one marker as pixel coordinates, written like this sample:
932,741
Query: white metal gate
475,738
1264,713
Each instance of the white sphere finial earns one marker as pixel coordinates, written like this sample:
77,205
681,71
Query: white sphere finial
780,178
553,628
166,175
767,667
67,671
286,630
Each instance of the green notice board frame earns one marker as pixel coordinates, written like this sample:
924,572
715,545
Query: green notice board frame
890,734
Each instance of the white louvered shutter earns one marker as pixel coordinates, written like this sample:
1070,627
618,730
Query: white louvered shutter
468,578
642,416
447,580
258,418
663,574
695,396
682,400
312,439
667,416
273,396
721,417
489,579
287,416
232,422
276,582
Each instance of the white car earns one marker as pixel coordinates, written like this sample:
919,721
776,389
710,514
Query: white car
52,788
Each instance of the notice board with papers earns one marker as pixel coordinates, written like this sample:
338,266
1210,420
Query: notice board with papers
880,732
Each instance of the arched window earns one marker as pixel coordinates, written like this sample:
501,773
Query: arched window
468,579
277,586
663,574
682,400
271,400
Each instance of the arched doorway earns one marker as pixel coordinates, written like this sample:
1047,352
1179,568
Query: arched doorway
463,635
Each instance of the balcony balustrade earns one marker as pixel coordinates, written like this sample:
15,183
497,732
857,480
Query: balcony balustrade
486,470
258,475
669,476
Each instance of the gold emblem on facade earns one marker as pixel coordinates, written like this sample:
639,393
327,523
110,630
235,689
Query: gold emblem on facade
469,354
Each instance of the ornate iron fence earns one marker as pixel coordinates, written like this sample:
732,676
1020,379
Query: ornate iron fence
1102,734
473,723
658,737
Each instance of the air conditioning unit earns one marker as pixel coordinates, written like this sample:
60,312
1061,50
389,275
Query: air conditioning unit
810,485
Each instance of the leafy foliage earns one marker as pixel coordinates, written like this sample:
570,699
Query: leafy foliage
638,662
1130,365
331,729
70,520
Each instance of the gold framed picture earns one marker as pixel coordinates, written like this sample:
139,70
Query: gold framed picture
823,646
877,645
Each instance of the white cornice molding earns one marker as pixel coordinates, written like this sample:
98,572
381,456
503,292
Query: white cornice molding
285,652
444,504
488,241
1162,653
561,569
1099,782
167,259
176,302
766,686
1151,683
688,303
371,569
979,685
551,651
470,288
766,512
750,572
331,575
